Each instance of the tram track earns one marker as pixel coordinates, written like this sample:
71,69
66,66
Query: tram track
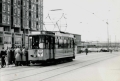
64,67
72,70
105,58
44,67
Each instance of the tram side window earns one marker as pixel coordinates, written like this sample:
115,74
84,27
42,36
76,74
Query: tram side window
52,45
69,44
46,42
56,43
41,42
65,44
60,44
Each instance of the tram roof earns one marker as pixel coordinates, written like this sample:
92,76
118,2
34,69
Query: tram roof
53,33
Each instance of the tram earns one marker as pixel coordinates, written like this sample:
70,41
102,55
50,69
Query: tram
47,46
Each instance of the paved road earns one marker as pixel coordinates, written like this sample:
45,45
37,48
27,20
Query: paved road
91,67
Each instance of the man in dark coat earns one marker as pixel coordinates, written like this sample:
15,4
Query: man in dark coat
2,55
86,50
12,55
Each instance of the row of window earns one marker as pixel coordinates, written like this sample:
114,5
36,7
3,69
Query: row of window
49,42
64,43
30,14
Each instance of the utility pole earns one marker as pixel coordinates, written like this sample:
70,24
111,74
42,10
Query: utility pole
107,35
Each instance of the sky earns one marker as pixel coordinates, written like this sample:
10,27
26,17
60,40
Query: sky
85,17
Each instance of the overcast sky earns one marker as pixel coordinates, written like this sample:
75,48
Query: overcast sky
85,17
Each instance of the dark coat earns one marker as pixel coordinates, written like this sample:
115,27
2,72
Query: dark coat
2,54
86,50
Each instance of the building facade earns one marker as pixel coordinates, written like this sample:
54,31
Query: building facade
77,42
17,19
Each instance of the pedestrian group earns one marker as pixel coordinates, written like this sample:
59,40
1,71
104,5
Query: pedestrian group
17,56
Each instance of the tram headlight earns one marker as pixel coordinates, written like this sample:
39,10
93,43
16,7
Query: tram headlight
40,53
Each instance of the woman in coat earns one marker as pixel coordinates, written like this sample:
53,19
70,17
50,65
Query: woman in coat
24,56
18,57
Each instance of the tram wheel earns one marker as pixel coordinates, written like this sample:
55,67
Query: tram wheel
44,63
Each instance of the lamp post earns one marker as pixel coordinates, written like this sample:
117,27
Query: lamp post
107,35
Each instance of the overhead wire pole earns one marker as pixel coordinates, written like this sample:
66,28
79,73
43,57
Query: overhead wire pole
107,34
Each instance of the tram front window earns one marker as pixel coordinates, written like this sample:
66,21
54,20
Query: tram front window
37,42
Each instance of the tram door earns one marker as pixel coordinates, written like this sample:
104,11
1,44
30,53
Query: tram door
51,47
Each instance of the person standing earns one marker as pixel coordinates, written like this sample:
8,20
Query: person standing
18,57
24,56
9,61
2,55
12,55
27,57
86,50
